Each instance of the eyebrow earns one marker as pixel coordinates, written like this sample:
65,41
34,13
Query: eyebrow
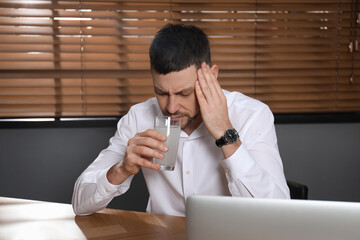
186,90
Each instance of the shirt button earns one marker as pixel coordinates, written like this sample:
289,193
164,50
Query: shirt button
188,172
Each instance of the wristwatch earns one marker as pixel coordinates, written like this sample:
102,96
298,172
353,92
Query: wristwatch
230,136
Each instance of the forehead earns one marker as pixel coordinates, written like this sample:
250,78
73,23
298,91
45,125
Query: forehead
175,81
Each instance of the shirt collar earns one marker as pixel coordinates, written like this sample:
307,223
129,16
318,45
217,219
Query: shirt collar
200,131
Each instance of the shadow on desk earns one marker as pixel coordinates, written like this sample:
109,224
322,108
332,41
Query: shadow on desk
118,224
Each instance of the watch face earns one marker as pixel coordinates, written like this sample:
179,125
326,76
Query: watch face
231,136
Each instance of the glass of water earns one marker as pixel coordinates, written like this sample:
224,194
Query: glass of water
170,127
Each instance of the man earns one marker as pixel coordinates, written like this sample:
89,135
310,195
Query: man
227,146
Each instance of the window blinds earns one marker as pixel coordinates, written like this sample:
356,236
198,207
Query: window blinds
90,58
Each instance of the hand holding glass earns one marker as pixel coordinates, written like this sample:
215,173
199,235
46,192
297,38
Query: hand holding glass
170,127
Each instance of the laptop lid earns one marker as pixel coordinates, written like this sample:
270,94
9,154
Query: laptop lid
222,218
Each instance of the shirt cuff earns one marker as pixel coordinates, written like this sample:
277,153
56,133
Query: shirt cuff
105,188
239,163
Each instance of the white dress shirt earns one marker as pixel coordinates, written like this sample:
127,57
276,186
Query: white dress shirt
254,170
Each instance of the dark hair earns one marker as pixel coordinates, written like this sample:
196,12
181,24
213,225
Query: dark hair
177,46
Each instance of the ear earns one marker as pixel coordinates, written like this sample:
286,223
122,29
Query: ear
215,70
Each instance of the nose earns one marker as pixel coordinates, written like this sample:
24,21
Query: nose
172,104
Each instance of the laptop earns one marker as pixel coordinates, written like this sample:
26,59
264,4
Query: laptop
223,218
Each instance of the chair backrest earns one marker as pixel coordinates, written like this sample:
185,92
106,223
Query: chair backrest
297,190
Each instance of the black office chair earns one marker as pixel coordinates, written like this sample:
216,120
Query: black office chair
297,190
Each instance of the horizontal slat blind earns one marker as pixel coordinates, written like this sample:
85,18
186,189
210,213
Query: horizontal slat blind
90,58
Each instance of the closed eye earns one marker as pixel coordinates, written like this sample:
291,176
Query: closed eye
185,94
161,93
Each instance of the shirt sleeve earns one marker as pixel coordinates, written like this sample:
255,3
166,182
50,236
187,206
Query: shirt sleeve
92,190
255,169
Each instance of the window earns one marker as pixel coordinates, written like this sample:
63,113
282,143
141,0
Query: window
90,58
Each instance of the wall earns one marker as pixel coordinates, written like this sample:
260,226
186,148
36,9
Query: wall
326,157
43,163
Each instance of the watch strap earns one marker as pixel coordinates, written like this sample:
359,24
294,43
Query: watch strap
220,142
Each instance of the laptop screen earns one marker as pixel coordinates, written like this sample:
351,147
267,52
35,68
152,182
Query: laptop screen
221,218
